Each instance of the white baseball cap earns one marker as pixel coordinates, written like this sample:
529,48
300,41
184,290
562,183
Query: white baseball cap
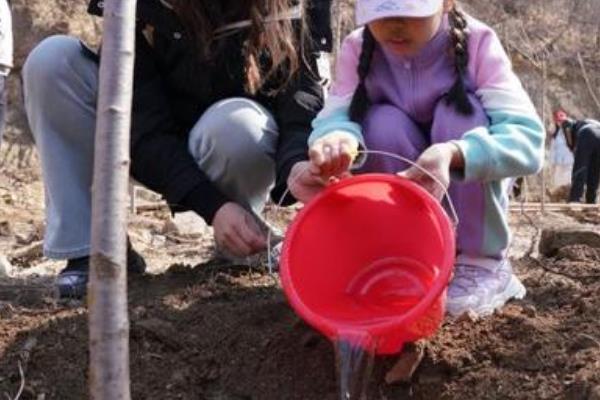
371,10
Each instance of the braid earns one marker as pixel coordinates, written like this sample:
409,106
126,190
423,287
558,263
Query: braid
458,33
360,101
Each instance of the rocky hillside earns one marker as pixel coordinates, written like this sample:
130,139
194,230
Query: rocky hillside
34,20
561,37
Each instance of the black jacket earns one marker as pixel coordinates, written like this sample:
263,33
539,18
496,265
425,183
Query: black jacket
573,128
172,89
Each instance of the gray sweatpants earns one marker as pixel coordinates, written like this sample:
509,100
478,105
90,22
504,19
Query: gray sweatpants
233,143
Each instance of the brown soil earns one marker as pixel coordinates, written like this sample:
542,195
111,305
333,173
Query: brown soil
203,330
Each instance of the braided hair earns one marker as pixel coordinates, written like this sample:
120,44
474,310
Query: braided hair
460,37
457,94
360,101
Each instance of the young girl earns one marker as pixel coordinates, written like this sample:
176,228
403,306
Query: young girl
425,81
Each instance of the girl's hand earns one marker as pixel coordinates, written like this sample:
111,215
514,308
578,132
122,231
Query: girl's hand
305,181
333,153
438,160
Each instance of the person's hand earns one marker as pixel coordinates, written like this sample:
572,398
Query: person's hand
437,160
237,231
333,153
305,181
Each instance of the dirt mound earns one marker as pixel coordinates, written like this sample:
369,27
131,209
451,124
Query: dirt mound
578,252
553,242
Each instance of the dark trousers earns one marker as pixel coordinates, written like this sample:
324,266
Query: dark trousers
586,168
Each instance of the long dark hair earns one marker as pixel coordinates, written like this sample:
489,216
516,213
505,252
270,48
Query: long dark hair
457,94
276,39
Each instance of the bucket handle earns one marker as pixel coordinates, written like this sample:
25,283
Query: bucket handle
454,214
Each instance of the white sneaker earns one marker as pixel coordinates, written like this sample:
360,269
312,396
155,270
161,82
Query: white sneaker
482,285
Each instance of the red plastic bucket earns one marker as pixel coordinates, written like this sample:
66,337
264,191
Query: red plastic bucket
371,256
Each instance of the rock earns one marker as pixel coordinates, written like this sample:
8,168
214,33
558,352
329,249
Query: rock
6,267
6,310
583,342
552,241
139,312
512,312
158,241
468,316
8,198
530,310
145,236
190,223
204,293
169,227
24,238
410,359
5,228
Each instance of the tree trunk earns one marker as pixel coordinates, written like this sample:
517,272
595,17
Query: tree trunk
107,296
543,116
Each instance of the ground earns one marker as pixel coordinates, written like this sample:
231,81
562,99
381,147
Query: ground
205,330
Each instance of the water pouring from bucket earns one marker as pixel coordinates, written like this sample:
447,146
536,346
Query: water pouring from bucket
367,263
370,256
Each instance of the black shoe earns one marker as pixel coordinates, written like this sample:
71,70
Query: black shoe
72,281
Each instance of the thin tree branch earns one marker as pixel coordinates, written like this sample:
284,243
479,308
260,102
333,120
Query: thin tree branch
22,374
587,81
33,249
590,337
